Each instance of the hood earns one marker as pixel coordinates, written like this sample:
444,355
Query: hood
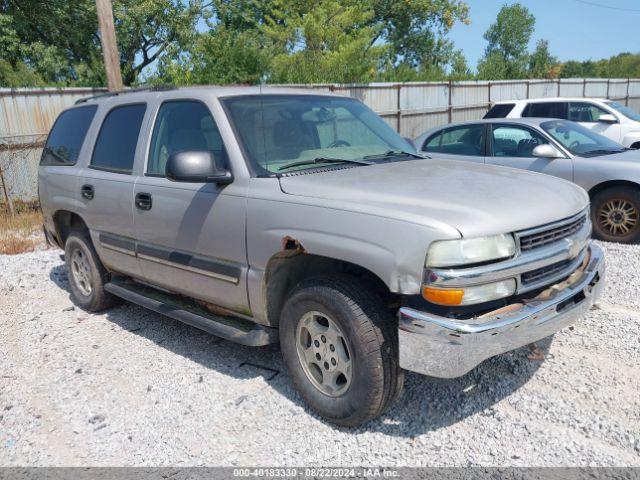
475,199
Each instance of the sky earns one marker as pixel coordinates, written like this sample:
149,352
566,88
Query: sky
575,30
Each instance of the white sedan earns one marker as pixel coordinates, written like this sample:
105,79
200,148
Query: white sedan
606,117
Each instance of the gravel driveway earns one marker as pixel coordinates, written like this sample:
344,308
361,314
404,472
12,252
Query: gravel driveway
130,387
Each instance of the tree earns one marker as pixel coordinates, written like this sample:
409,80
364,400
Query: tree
459,68
541,63
61,42
508,39
328,40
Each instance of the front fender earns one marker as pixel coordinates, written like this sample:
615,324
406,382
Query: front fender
393,250
631,138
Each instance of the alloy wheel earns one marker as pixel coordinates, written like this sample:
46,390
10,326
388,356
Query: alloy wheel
324,353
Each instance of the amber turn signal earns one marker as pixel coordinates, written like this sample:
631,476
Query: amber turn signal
441,296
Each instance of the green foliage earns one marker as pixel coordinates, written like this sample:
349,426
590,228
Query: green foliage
60,44
506,54
541,63
299,41
57,42
331,41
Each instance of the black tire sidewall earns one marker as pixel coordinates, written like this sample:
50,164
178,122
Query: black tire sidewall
95,300
345,407
628,194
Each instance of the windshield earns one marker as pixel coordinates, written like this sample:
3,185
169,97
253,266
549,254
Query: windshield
626,111
580,140
286,133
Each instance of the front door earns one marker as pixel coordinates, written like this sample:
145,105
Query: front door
512,146
587,114
190,236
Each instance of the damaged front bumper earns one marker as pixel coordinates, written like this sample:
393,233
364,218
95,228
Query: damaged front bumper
447,348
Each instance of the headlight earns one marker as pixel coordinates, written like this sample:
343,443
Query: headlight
467,251
469,295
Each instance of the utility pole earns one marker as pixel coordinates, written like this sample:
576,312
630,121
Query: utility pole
109,44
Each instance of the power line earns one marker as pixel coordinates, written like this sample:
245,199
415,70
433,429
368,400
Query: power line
610,7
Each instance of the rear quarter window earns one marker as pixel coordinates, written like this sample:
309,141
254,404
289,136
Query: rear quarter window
67,136
500,111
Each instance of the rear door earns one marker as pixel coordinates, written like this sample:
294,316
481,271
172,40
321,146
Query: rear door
465,142
511,145
190,236
587,114
106,187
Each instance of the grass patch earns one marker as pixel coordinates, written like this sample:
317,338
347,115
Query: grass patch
22,232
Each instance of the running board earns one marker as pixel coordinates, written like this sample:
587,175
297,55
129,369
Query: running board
235,329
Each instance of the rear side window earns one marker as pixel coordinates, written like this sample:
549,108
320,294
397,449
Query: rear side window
115,147
546,110
67,136
467,140
500,110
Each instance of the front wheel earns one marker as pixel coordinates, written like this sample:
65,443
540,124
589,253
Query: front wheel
615,214
339,344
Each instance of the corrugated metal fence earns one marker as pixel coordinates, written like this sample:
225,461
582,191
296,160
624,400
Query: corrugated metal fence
411,108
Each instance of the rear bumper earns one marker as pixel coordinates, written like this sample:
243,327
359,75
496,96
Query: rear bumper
447,348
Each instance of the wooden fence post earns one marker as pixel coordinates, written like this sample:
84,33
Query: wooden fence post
450,109
7,198
626,99
399,107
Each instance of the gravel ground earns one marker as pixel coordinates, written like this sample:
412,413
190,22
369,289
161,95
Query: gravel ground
130,387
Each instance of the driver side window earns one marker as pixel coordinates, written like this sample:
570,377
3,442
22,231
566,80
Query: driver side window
515,141
183,125
585,112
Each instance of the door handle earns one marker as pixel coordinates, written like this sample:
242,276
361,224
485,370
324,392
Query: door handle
143,201
87,192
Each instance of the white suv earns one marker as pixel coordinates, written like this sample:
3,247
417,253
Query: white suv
607,117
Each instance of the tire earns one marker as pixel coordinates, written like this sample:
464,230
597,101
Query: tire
615,214
369,337
87,275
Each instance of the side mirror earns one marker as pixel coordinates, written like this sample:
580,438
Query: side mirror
196,167
547,151
608,118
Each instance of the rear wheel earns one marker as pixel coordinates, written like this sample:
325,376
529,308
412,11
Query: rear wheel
87,275
339,344
616,215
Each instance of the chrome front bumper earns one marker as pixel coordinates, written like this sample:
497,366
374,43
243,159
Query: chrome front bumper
447,348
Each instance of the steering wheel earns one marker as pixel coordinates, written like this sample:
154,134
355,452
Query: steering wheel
339,143
574,144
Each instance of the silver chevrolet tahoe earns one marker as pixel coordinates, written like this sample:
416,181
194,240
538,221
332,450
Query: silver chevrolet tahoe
274,215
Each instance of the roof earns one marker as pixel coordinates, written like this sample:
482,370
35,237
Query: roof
550,99
217,91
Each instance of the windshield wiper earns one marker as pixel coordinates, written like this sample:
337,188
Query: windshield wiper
396,153
317,160
603,151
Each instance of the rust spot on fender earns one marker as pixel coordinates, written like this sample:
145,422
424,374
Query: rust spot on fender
291,244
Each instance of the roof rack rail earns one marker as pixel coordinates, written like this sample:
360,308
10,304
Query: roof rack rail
155,88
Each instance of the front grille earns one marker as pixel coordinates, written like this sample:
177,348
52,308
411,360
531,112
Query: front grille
535,276
553,234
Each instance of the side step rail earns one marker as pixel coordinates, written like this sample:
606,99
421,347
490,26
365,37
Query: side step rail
235,329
